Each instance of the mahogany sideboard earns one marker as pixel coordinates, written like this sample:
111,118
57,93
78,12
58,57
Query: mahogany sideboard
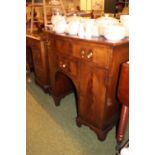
37,45
92,66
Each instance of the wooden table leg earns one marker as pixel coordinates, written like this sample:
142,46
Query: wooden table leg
123,96
123,123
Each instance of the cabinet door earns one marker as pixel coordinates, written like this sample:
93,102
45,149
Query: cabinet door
68,66
92,94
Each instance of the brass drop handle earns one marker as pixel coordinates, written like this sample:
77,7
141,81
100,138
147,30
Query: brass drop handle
64,65
60,64
82,53
90,55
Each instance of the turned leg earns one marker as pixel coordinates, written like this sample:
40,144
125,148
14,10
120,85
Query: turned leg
122,124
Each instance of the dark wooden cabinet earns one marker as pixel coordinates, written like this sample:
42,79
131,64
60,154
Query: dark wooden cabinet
40,61
90,68
115,6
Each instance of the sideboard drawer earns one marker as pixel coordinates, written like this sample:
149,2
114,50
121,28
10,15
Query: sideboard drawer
63,46
68,66
96,54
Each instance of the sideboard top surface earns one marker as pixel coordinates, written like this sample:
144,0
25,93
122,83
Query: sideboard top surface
97,40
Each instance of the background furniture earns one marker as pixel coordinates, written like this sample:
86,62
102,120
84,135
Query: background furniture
39,54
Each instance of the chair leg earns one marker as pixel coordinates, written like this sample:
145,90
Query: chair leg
122,124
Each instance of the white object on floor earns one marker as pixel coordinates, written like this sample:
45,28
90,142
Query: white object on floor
124,151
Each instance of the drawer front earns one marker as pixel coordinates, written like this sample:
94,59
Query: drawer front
68,66
63,46
96,54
